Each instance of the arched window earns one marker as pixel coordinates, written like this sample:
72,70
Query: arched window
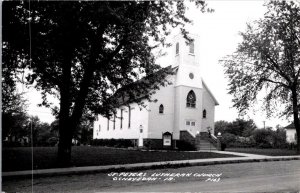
161,109
204,114
191,99
192,47
177,48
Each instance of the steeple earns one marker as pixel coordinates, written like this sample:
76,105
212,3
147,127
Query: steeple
186,58
186,53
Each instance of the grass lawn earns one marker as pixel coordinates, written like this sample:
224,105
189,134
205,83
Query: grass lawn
268,152
17,159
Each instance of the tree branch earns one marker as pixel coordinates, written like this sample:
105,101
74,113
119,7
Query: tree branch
278,68
275,82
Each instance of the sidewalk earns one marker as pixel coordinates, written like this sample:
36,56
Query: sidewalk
137,166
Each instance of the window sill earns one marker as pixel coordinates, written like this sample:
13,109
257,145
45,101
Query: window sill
191,107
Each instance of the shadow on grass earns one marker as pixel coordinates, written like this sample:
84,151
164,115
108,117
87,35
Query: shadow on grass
20,158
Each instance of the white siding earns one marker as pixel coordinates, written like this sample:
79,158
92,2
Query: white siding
160,123
290,135
139,116
184,113
209,106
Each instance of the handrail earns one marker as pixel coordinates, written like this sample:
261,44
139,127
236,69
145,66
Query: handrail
190,133
213,136
214,140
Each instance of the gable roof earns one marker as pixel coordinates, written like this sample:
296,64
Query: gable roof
210,93
129,93
121,97
290,126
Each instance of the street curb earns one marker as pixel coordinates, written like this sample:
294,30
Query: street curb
138,166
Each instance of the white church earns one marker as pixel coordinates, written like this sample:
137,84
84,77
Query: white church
184,110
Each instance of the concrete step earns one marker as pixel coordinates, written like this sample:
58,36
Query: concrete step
202,143
206,146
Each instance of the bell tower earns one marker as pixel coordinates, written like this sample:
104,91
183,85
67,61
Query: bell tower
186,58
188,85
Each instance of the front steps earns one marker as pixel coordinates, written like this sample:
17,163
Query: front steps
204,142
205,145
201,141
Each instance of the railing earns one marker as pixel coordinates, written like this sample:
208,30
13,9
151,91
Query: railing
187,134
191,133
214,140
214,137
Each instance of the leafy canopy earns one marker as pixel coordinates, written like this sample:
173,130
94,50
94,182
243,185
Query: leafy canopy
267,59
88,48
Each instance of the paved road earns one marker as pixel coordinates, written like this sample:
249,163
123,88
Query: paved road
280,176
262,183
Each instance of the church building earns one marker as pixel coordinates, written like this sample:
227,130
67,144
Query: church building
182,111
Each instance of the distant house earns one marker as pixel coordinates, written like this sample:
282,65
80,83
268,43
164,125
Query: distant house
291,135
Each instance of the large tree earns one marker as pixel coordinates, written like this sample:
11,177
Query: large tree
268,60
82,52
14,116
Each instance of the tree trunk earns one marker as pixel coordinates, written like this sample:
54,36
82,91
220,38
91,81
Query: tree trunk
298,139
67,122
65,143
296,117
65,129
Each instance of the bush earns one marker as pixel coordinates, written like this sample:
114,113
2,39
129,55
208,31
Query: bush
124,143
292,146
11,144
263,138
264,145
149,144
185,146
243,142
223,146
280,138
53,141
228,139
267,138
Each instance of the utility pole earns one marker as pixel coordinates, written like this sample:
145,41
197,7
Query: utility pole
264,124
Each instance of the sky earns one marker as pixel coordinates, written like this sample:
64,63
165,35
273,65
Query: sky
219,36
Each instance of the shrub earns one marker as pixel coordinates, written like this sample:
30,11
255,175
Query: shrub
263,138
292,146
185,146
228,139
280,138
223,146
267,138
264,145
11,144
112,142
148,144
246,141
